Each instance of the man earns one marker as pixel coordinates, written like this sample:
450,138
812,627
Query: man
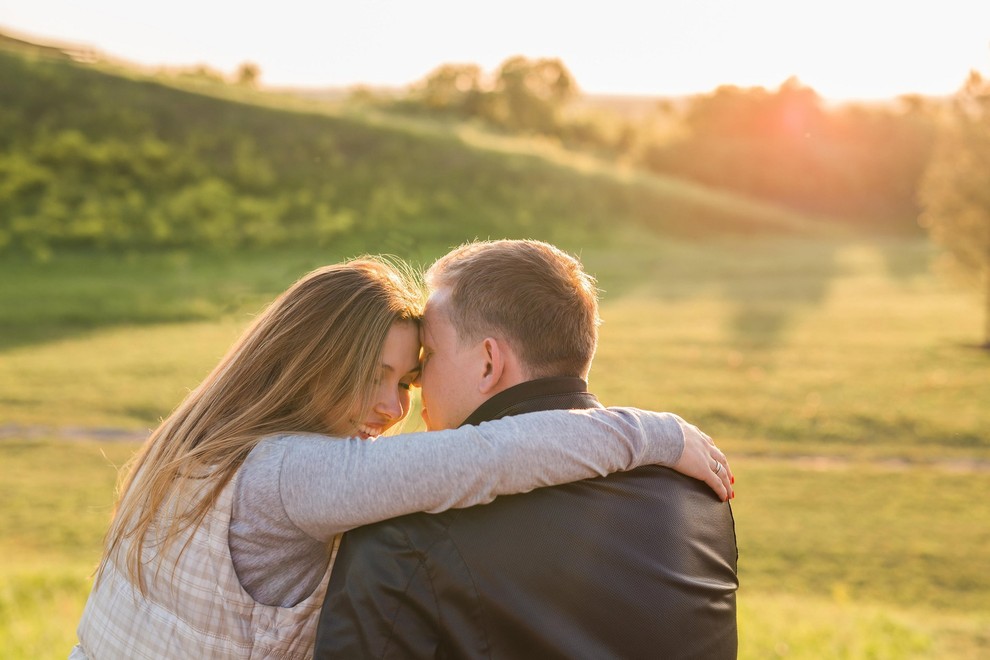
639,564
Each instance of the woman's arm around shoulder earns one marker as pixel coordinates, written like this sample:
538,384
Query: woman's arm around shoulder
330,485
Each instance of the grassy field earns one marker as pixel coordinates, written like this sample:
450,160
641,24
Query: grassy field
845,348
839,375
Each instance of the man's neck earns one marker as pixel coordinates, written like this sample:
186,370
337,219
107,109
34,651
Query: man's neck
554,393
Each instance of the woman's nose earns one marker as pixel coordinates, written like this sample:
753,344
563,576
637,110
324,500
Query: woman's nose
389,406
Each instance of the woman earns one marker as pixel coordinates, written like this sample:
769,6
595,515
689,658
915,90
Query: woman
224,532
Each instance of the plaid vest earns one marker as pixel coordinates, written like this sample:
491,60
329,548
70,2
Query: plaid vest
197,610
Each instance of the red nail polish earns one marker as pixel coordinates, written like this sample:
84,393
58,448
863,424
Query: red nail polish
732,480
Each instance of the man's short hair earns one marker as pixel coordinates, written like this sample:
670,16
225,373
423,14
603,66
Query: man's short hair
528,293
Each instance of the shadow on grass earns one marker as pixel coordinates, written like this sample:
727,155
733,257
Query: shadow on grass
980,348
76,294
767,283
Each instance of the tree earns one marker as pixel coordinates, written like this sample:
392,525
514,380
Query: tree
531,93
955,190
248,74
453,87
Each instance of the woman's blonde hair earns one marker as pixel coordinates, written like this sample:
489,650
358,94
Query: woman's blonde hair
308,364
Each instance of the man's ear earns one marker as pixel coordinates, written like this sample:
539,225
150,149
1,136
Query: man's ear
494,356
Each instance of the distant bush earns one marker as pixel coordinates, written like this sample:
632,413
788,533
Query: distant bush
857,162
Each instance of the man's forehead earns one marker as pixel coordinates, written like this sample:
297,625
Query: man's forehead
434,315
437,299
436,307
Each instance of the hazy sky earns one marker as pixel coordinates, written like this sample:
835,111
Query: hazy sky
842,48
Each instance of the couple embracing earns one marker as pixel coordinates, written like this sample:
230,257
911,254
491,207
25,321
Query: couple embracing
606,532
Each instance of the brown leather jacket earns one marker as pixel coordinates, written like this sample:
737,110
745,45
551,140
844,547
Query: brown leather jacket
639,564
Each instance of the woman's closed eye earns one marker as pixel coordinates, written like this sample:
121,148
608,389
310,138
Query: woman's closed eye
410,379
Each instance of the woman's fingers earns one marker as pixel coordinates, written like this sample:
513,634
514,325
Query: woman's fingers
703,460
725,473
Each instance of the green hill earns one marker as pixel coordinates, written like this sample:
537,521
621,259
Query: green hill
94,158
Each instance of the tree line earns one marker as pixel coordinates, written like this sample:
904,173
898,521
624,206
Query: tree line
859,163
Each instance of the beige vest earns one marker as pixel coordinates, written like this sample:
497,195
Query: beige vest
199,611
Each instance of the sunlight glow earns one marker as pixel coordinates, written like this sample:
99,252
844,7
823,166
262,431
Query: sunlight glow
843,48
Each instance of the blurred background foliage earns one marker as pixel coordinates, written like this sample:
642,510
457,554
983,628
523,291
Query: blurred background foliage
860,163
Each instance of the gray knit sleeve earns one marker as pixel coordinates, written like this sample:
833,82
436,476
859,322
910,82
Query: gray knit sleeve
330,485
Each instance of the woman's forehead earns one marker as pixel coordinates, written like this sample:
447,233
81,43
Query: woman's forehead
401,350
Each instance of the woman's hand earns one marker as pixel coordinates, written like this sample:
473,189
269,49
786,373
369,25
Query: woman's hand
702,460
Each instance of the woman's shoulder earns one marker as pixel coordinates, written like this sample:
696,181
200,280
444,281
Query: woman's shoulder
259,478
273,448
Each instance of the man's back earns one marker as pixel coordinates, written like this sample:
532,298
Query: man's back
634,565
